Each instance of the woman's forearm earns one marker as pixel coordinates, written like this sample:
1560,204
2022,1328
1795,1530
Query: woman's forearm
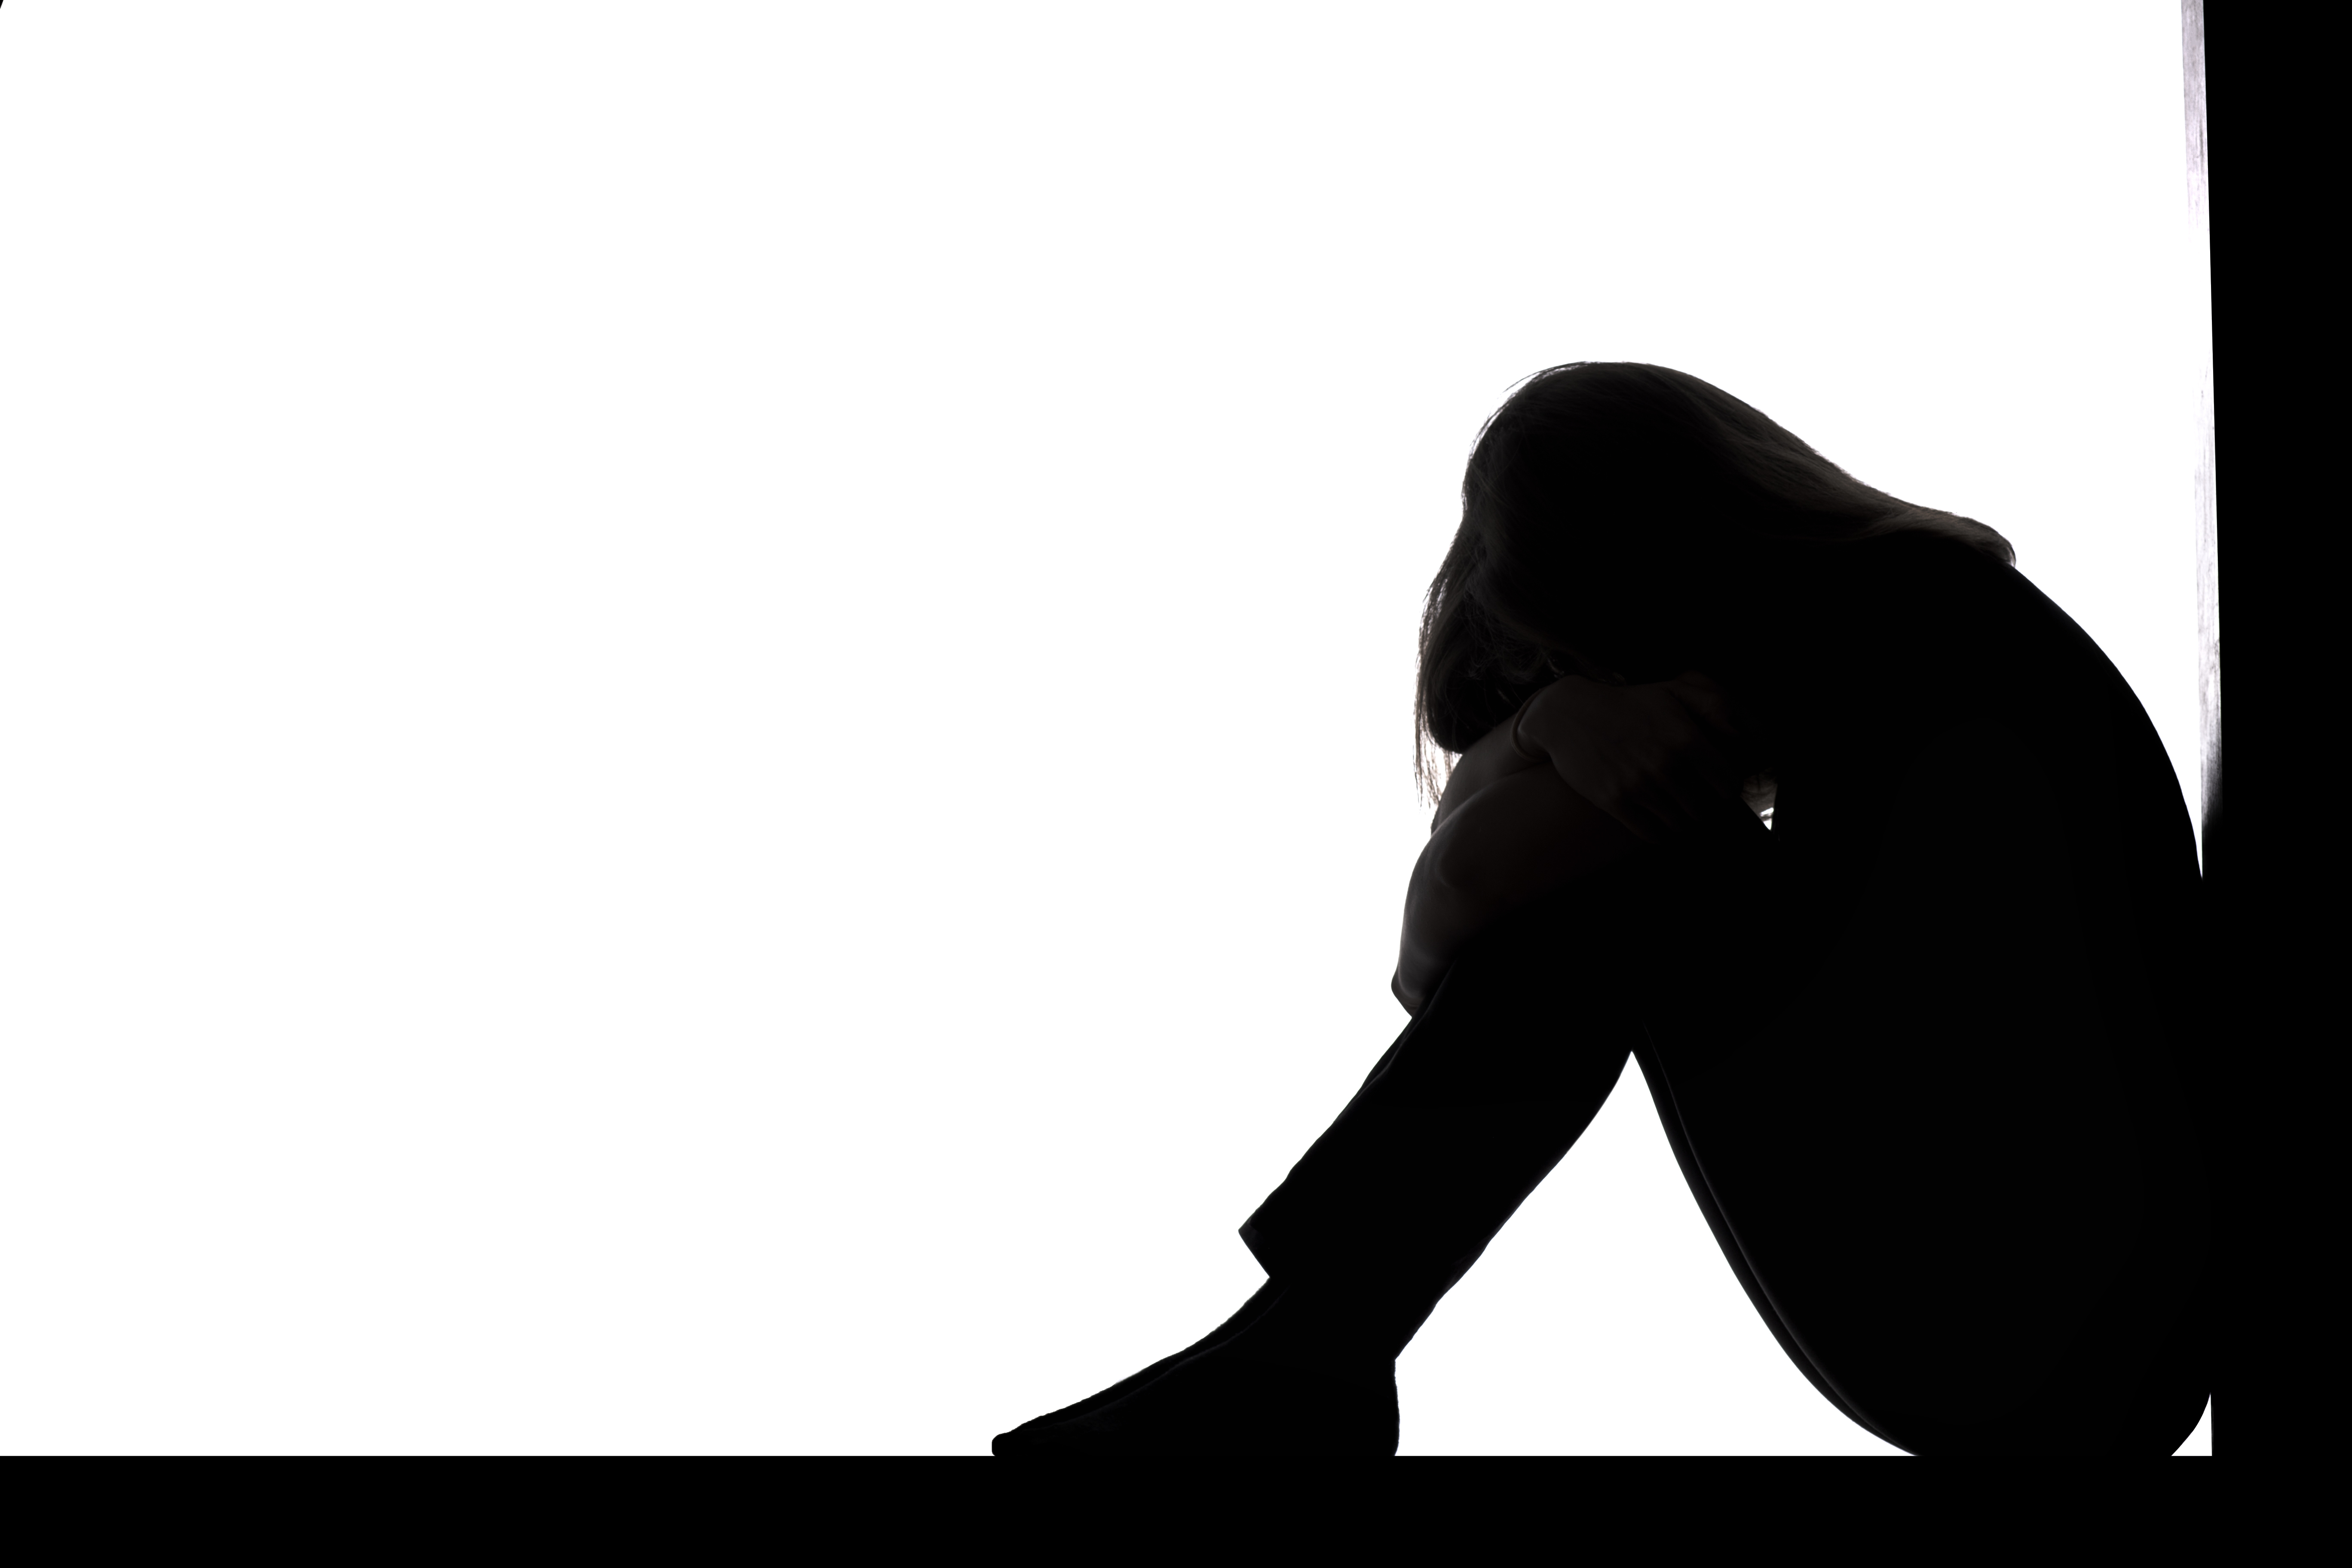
1518,839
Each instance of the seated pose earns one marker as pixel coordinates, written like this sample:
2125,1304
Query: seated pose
1929,1047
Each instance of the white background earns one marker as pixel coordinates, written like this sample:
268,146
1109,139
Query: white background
707,708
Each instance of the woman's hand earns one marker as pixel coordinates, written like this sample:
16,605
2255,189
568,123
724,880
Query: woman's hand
1662,759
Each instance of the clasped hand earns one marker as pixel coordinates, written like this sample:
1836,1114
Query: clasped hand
1661,757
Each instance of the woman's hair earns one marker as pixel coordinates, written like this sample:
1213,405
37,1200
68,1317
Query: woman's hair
1629,513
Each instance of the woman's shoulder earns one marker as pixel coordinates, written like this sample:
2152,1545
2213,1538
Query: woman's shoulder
1978,636
1914,628
1934,587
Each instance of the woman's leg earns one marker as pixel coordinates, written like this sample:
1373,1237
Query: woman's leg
1942,1162
1469,1110
1477,1099
1937,1137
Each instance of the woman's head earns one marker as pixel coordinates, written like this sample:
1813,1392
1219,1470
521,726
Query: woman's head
1634,519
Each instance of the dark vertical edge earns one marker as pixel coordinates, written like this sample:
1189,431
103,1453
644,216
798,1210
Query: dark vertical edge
2208,560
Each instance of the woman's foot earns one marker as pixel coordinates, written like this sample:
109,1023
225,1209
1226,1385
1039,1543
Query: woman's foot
1266,1381
1251,1311
1228,1401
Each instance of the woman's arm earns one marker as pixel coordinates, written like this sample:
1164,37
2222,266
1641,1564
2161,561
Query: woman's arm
1582,777
1521,836
1492,757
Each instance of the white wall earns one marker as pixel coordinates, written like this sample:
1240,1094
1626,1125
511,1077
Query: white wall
707,708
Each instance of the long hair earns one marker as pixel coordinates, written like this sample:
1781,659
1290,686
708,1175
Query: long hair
1628,513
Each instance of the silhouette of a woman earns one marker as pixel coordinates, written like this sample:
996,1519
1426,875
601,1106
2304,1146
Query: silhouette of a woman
1931,1048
